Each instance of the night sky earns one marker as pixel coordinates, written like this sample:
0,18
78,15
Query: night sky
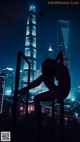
13,17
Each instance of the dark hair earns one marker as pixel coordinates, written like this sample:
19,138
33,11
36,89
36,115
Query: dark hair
49,67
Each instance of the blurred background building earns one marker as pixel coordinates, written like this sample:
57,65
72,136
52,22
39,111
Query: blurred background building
2,86
63,42
9,81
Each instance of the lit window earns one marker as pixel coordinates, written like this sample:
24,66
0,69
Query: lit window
34,42
33,30
34,53
27,41
27,30
27,52
33,19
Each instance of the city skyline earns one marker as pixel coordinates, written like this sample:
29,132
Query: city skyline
13,27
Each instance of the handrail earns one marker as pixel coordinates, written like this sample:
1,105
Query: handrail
62,103
61,100
15,98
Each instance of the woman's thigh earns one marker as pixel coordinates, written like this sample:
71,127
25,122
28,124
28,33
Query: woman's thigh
46,96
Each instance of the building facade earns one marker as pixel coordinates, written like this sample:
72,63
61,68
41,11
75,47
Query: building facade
63,44
9,81
30,45
63,29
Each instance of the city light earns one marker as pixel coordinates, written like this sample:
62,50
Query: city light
21,71
8,92
11,69
79,87
76,114
73,99
50,49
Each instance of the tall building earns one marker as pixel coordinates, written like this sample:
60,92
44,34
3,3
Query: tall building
63,43
50,52
9,81
30,45
63,29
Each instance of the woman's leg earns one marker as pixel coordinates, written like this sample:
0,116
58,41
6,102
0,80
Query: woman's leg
45,96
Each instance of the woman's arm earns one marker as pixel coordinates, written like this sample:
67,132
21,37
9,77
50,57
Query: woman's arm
34,84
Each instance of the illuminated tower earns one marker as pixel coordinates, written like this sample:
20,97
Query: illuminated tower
50,52
30,45
63,28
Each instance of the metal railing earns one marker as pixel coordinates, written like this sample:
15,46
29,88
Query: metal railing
15,98
61,102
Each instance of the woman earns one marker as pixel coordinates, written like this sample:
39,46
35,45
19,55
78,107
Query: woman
51,69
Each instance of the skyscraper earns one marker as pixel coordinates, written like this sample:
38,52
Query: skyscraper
30,45
9,81
63,28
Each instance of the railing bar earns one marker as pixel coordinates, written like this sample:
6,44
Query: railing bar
15,98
